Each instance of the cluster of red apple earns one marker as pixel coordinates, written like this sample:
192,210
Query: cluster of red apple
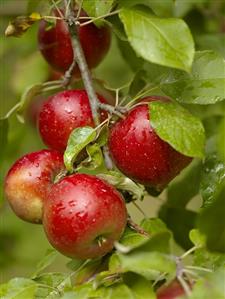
83,215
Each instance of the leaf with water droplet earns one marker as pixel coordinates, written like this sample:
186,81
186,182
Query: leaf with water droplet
78,140
212,179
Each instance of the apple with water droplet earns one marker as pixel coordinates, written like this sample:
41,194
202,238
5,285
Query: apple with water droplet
83,216
140,153
29,180
64,112
56,47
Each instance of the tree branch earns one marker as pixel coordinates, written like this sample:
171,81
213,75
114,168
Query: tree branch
79,58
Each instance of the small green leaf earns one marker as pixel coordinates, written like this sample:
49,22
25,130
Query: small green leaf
154,40
78,140
48,281
197,238
132,239
153,225
148,264
210,287
46,261
211,223
202,257
95,161
113,292
123,183
140,287
175,125
212,179
4,127
18,288
96,8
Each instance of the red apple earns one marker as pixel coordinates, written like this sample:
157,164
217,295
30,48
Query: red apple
172,291
55,44
62,113
139,152
29,180
84,216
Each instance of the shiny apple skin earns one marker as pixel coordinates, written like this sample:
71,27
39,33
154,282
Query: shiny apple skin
172,291
61,114
80,209
140,154
55,44
28,182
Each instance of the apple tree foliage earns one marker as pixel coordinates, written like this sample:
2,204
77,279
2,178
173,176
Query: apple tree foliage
173,48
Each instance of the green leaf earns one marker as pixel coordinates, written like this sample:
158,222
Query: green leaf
95,161
140,287
18,288
211,223
202,257
154,40
46,261
205,84
114,292
158,239
79,292
212,179
78,140
211,41
189,181
84,273
148,264
123,183
197,238
47,281
153,225
4,127
175,125
132,239
210,287
96,8
180,221
160,8
117,27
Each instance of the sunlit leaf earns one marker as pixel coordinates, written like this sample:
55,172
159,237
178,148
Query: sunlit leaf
78,140
154,40
177,126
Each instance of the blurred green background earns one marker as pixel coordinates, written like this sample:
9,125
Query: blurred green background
23,244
